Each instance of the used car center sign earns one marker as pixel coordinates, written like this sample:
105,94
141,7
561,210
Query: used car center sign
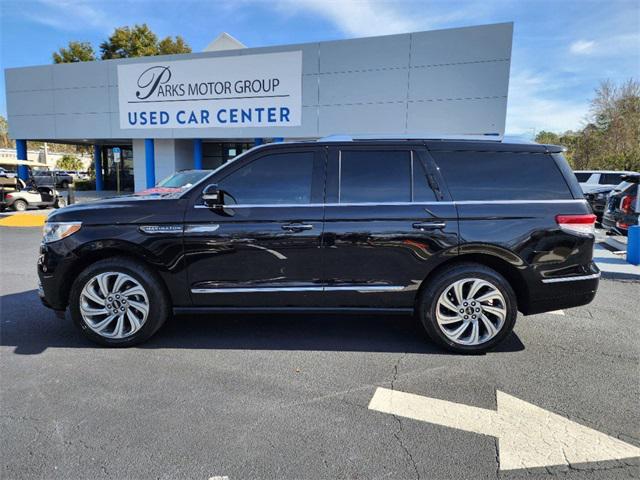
238,91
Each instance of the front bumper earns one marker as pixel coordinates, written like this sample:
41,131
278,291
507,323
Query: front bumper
53,267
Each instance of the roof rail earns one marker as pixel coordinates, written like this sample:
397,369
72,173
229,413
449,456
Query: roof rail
494,137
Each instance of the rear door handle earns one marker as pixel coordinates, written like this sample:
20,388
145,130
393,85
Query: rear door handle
429,225
296,227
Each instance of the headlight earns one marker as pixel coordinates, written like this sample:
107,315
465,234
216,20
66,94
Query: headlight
54,231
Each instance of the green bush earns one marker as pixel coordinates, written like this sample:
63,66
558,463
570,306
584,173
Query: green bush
84,185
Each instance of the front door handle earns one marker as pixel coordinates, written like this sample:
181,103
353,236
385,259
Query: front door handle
429,225
296,227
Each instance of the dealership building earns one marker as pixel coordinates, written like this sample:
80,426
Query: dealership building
199,110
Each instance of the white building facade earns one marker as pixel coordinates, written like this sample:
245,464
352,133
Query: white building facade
199,110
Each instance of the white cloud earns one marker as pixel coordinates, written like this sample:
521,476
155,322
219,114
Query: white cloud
582,47
536,104
71,15
362,18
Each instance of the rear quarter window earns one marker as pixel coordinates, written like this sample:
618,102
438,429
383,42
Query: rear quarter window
582,176
502,176
610,178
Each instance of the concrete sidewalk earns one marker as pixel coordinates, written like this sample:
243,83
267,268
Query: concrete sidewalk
614,265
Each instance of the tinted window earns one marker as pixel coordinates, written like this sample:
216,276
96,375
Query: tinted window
582,176
273,179
375,176
502,176
610,178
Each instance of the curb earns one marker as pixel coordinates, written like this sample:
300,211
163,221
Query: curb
615,244
628,277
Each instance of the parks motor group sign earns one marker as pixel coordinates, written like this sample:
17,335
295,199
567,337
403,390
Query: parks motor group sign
239,91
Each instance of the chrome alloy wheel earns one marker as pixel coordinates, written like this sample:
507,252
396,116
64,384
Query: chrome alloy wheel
114,305
471,311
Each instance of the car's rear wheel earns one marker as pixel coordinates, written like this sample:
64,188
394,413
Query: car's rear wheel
20,205
469,308
118,302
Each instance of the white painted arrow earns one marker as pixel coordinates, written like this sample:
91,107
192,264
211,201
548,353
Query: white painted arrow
529,436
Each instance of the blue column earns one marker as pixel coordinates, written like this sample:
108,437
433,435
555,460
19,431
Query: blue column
197,153
150,162
97,163
259,141
278,139
21,153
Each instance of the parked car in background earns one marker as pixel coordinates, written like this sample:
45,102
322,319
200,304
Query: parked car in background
176,182
52,178
32,196
622,210
76,174
597,185
597,198
598,178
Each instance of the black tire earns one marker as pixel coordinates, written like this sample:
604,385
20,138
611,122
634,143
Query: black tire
20,205
64,185
428,302
159,303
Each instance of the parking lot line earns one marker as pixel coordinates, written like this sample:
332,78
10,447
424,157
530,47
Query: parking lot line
23,220
529,436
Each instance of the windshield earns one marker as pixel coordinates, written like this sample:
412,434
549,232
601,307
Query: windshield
183,179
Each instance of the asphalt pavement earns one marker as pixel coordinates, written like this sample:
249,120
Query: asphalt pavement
288,396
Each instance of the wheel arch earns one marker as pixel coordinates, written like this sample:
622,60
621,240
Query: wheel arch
93,252
505,265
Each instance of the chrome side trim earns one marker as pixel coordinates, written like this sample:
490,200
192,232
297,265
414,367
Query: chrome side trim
571,279
351,288
365,289
201,228
381,204
518,202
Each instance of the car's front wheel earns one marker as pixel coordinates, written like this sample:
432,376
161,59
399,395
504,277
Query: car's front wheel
118,302
469,308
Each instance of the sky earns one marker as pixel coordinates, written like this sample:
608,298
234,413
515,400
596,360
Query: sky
562,49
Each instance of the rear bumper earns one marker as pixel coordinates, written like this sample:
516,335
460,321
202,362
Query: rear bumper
564,292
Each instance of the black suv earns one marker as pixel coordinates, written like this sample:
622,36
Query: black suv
462,233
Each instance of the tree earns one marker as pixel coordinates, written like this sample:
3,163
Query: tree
74,52
5,141
69,162
140,41
611,138
168,46
548,138
124,42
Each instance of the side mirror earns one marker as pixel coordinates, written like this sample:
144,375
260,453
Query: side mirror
212,196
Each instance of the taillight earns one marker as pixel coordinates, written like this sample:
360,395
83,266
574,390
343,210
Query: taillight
627,203
8,195
585,223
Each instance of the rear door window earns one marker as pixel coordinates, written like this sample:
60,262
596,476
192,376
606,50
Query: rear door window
502,176
374,176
